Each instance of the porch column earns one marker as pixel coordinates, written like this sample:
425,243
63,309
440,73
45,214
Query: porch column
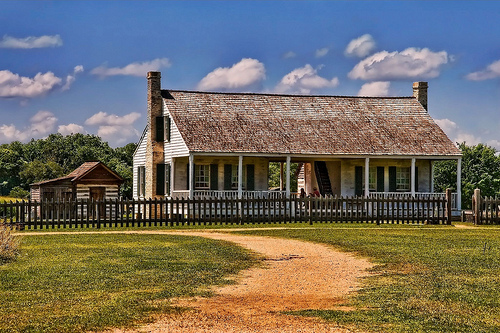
288,159
412,177
367,177
282,185
191,176
240,176
459,184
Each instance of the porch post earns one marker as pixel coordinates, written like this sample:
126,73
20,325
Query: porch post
240,176
367,177
288,159
412,177
281,177
459,184
191,176
432,177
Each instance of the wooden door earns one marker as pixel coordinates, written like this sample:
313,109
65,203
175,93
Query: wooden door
97,194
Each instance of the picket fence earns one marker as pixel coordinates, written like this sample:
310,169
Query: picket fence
485,210
211,211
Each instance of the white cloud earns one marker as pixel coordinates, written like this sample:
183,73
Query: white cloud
41,124
457,135
360,47
322,52
492,71
117,130
70,129
31,42
243,75
72,77
303,80
289,55
13,85
133,69
408,64
378,89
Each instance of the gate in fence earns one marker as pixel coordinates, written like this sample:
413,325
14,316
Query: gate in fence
207,211
485,210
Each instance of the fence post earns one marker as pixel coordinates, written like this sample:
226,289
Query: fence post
476,206
448,206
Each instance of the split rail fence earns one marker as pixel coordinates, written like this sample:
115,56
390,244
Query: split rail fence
211,211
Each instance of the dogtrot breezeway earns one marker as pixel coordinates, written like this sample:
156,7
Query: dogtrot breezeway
213,210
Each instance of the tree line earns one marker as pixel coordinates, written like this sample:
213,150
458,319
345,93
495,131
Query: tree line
56,156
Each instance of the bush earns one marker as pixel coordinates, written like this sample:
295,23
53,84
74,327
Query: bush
9,245
18,192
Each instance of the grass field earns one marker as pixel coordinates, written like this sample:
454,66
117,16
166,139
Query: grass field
438,279
81,282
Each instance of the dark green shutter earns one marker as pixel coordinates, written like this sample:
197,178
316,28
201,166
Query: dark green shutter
416,179
138,181
214,177
380,179
392,179
167,128
228,176
160,129
358,181
160,179
167,179
250,177
187,176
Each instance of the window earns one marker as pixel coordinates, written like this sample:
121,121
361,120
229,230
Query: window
372,179
234,177
141,181
402,178
167,128
202,176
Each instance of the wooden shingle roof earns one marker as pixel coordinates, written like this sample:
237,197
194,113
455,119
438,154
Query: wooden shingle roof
291,124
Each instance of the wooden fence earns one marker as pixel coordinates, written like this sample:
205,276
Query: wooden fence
210,211
485,210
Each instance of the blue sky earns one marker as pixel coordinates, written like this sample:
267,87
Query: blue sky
80,66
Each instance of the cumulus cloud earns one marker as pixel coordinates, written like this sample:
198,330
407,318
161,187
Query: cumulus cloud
117,130
289,55
492,71
72,77
458,135
70,129
322,52
360,47
41,124
245,74
376,89
14,85
133,69
303,80
31,42
408,64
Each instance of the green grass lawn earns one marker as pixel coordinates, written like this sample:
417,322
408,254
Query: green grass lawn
428,279
81,282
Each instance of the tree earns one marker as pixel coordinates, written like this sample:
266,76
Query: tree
37,171
480,169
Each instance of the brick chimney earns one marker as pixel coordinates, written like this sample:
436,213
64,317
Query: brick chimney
154,148
420,92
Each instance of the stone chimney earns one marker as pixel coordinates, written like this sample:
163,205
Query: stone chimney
420,92
154,148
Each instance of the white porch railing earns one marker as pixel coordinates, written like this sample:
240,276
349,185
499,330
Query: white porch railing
232,194
420,195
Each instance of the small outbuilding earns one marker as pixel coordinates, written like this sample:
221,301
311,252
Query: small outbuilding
91,180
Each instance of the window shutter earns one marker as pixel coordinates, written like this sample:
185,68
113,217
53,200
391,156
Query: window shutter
167,129
250,177
187,175
160,131
416,179
228,176
358,181
214,176
380,179
392,179
167,179
160,179
138,186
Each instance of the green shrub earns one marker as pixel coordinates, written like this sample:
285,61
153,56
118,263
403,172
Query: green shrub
9,245
19,192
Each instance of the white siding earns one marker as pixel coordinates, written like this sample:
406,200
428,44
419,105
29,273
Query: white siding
176,147
139,160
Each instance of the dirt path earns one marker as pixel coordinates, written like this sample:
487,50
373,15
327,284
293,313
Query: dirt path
297,275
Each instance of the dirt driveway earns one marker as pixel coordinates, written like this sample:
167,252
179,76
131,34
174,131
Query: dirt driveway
296,275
